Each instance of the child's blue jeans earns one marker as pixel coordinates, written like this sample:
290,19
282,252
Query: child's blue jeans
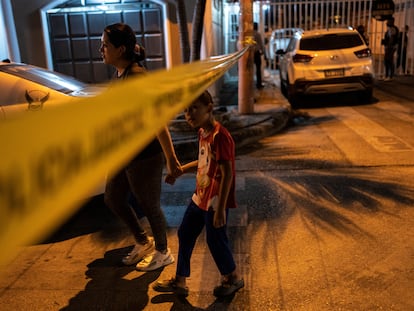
191,226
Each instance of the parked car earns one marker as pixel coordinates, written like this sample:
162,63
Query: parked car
30,88
326,61
279,40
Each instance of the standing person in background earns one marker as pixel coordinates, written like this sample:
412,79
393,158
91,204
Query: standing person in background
390,43
143,174
361,30
258,52
209,206
402,49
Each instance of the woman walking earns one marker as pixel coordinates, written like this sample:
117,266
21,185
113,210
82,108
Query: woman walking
143,174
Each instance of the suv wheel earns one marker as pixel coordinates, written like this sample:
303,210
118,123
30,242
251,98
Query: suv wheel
291,95
366,95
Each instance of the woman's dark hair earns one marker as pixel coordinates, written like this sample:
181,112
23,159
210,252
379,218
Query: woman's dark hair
122,34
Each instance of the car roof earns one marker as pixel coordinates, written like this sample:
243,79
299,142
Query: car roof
316,32
328,39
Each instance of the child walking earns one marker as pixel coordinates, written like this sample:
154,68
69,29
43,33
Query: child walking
213,196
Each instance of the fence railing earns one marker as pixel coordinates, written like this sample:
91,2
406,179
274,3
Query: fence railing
317,14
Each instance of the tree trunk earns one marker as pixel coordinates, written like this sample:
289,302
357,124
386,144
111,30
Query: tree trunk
198,25
246,99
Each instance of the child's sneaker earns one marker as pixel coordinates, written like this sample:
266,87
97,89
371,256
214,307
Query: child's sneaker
228,287
170,286
139,251
155,260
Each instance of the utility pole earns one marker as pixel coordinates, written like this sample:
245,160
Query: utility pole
245,92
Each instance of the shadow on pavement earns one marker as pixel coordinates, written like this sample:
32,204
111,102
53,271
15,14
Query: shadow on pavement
93,216
334,100
182,304
113,287
321,196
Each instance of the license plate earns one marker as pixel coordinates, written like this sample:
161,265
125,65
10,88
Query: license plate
334,73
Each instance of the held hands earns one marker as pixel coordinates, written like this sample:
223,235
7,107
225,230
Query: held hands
175,170
169,179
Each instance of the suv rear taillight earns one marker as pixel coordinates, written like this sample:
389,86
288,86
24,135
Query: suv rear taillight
302,58
363,53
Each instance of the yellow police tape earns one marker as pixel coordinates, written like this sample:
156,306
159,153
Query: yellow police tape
53,159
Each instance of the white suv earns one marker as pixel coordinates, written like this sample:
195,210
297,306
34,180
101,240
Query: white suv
326,61
279,40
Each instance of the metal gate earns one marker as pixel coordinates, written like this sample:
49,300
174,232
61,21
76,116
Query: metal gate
75,35
321,14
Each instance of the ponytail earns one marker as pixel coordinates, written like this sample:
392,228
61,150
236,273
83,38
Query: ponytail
139,53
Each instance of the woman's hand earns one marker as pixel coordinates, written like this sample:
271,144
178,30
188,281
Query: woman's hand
174,169
170,180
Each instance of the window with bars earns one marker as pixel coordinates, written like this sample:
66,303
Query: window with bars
234,27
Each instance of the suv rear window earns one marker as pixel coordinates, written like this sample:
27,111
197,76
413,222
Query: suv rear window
332,41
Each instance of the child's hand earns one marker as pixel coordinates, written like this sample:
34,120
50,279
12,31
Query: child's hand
177,172
219,219
174,173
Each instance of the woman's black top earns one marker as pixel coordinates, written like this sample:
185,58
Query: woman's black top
154,146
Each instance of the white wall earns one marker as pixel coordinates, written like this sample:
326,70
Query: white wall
9,47
4,50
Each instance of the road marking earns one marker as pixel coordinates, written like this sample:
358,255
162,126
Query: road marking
377,136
